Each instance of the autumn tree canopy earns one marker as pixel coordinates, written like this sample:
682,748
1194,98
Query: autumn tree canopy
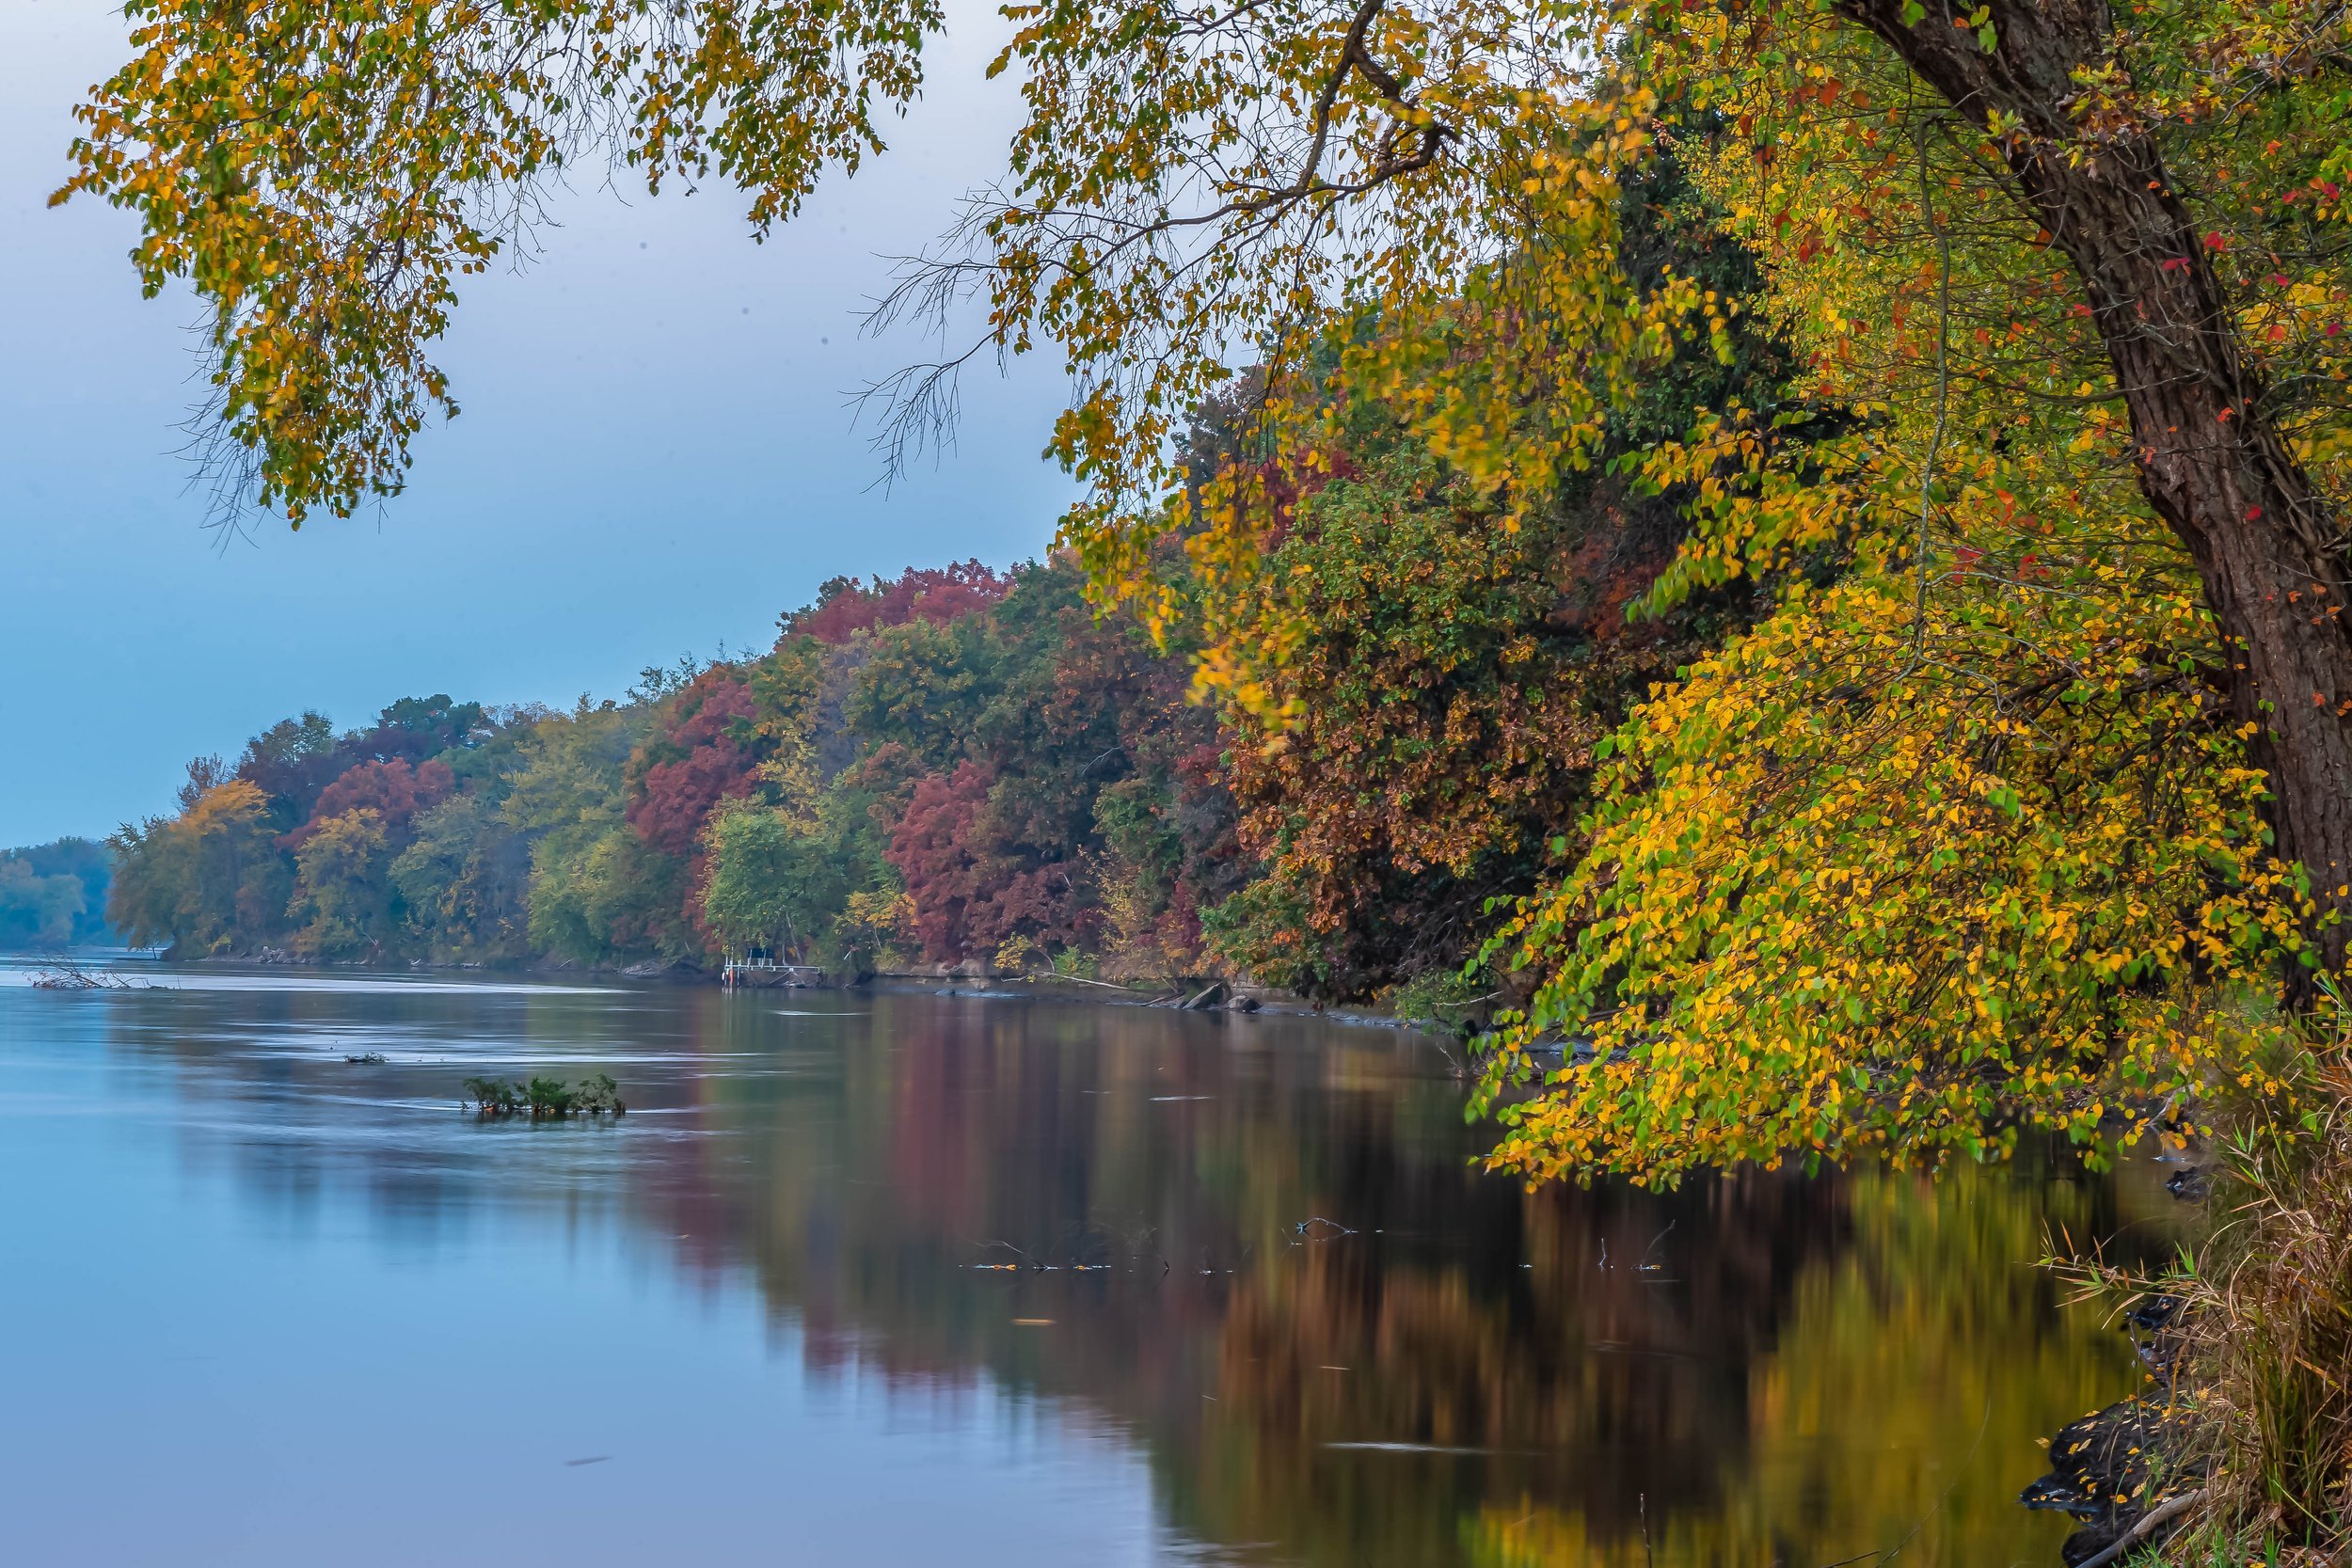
2042,749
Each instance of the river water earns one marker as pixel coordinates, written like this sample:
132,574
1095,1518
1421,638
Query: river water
262,1306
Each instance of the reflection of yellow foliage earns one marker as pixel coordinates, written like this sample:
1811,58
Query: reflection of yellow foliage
1535,1535
1905,1400
1899,1405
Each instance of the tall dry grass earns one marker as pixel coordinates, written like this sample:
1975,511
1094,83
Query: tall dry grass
2254,1367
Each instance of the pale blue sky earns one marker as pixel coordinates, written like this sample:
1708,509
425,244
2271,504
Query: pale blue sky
653,455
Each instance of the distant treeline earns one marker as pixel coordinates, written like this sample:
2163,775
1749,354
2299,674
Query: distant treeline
957,765
54,896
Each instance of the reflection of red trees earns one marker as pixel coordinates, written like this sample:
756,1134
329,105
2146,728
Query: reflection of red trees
393,790
929,594
970,892
698,759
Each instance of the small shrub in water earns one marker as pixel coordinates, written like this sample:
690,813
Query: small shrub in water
494,1096
596,1095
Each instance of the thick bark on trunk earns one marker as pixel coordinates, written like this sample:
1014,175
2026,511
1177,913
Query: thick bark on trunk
2273,556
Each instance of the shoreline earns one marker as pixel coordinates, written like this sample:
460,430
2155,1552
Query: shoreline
1190,994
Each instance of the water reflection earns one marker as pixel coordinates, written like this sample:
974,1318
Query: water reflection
1263,1309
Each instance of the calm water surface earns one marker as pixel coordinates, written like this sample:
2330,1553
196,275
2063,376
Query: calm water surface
259,1305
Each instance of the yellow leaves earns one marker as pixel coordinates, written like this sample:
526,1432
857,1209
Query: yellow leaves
1807,921
323,173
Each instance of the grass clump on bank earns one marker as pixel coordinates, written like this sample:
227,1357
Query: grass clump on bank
2267,1335
2251,1354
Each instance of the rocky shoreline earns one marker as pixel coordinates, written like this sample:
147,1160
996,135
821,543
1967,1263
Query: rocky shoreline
2129,1474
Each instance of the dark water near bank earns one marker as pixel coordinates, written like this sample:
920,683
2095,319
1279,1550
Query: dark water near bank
262,1306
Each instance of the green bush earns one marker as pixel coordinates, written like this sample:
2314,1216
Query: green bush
494,1096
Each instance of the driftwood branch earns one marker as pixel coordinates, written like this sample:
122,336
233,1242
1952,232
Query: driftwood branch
2164,1512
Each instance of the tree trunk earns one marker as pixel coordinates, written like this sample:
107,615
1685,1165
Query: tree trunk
2273,558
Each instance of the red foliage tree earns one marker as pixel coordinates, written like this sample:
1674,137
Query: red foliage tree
925,594
394,790
935,849
970,894
701,755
